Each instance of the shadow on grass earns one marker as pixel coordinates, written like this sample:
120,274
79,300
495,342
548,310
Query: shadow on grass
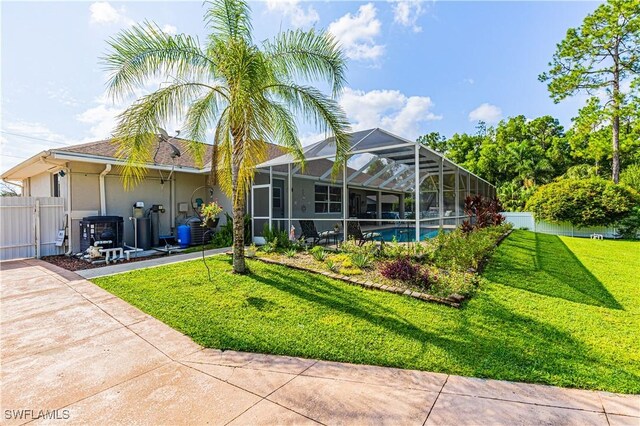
509,346
285,312
543,264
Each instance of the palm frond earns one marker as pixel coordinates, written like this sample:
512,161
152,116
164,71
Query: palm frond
137,126
202,113
310,55
285,131
325,113
144,52
229,19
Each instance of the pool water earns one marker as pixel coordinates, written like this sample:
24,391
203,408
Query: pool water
405,235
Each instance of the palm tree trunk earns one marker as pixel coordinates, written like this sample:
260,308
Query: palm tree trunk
239,265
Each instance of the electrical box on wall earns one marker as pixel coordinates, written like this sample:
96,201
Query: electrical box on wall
183,207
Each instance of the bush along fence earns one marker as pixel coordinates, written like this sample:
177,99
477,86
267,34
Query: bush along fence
526,220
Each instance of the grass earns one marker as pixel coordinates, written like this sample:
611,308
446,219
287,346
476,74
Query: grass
553,310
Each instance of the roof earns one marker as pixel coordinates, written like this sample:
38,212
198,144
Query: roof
104,151
107,149
374,142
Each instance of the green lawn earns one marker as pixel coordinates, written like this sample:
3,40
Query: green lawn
561,311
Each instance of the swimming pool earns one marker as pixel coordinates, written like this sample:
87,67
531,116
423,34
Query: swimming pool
404,234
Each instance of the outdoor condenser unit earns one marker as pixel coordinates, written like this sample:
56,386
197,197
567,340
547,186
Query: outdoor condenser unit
101,228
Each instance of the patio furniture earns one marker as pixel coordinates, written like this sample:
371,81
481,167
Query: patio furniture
354,231
309,231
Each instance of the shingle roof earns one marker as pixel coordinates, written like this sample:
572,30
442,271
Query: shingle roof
107,148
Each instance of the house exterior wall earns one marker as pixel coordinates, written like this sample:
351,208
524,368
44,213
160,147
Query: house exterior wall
40,185
85,184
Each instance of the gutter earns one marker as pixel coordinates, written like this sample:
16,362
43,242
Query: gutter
103,197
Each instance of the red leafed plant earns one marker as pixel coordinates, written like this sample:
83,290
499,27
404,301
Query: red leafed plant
403,269
482,212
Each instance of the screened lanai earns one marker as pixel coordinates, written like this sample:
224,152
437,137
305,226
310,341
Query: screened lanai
391,188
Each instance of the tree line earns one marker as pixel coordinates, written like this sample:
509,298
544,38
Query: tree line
599,59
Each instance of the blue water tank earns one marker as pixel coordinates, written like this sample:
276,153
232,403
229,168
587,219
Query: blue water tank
184,236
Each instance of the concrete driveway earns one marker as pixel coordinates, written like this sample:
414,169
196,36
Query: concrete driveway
73,353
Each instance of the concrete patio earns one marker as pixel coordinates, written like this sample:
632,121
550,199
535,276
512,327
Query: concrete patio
68,345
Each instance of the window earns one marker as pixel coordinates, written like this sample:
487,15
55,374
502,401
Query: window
328,199
277,197
56,185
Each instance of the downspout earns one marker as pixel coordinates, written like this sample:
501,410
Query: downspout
103,198
172,206
69,219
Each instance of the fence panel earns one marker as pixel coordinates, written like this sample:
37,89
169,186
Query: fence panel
52,218
18,226
526,220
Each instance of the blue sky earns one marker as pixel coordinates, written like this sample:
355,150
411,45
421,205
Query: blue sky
414,67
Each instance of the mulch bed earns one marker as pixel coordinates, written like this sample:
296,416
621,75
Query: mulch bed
71,263
361,281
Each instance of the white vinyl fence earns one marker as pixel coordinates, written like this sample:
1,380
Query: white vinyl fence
525,220
29,226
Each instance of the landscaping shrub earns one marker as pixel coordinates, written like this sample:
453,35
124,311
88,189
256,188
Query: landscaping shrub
333,266
462,283
462,251
352,270
482,212
270,247
369,248
362,260
629,227
223,237
395,250
403,269
318,253
583,202
280,239
291,252
343,264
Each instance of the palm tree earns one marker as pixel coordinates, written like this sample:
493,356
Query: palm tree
248,93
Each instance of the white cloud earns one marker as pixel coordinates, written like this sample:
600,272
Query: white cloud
34,130
468,81
356,33
407,12
36,137
298,15
170,29
102,119
102,13
388,109
62,95
487,113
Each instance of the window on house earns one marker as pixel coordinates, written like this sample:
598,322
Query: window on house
328,199
277,197
56,185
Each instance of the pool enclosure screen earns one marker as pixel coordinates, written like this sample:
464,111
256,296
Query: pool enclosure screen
392,186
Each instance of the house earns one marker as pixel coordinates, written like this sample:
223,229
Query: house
89,177
382,174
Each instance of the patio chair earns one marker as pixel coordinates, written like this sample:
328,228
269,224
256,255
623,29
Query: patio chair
309,232
354,231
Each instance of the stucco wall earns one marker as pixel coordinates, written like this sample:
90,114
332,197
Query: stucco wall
119,202
40,185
